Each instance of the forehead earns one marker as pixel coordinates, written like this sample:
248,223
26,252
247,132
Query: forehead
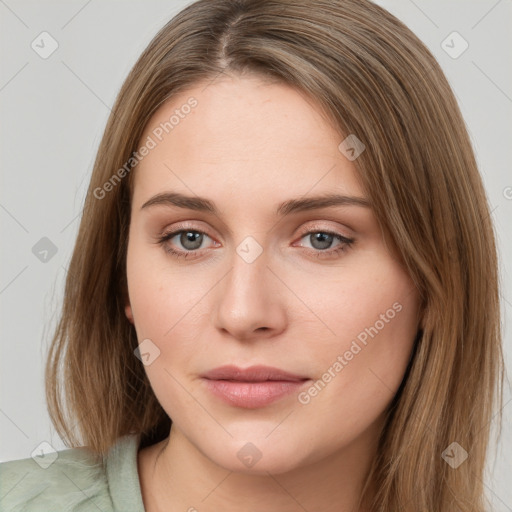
242,139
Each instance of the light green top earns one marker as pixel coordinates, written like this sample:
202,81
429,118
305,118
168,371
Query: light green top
78,481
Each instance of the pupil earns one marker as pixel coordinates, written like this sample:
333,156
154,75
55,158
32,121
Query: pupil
191,236
324,239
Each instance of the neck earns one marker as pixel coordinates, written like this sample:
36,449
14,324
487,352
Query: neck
176,476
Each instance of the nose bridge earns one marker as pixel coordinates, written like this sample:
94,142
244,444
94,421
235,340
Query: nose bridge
248,298
249,268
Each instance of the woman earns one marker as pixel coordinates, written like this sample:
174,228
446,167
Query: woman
286,249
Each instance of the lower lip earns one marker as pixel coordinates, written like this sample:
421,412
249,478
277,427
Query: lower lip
252,395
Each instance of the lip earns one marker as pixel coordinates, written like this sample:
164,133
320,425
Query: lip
253,387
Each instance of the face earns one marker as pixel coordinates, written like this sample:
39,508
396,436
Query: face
243,265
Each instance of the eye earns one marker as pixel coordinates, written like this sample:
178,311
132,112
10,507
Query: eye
321,240
190,239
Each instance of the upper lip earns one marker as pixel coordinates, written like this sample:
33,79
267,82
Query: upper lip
252,374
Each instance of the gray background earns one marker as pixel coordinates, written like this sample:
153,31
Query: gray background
53,114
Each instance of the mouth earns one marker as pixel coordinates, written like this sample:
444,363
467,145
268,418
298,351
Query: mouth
253,387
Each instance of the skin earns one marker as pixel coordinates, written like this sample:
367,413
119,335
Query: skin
248,146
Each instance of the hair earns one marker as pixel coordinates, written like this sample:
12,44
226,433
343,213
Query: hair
371,77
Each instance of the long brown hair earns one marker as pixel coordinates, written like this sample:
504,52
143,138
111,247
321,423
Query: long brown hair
372,77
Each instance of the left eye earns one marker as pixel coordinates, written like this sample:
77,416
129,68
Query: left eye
322,239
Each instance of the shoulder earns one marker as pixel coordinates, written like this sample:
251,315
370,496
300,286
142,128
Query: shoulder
75,479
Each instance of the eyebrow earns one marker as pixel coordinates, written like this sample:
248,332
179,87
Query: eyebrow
290,206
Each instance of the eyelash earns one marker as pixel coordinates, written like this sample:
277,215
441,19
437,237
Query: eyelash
345,244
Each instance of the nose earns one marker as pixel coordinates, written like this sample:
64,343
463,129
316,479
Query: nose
250,301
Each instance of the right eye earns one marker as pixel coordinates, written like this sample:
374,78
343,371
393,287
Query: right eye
190,239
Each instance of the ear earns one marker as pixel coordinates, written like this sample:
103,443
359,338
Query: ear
128,312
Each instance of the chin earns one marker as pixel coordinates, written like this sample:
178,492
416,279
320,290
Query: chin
258,457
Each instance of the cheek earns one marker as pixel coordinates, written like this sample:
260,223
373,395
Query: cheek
371,298
161,297
165,314
374,315
167,311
